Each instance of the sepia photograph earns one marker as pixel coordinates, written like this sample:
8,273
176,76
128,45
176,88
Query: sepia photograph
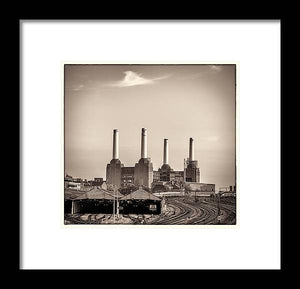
150,144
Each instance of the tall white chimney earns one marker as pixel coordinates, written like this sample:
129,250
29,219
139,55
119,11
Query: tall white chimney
116,144
144,144
191,154
166,151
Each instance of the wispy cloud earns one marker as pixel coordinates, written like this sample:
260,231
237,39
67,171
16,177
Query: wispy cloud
132,78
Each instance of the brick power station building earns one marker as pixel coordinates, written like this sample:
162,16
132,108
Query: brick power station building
142,173
139,175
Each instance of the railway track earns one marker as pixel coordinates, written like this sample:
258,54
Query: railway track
188,213
180,214
209,215
230,210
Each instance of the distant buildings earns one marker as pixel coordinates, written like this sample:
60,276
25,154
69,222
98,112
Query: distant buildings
97,182
78,183
228,191
72,183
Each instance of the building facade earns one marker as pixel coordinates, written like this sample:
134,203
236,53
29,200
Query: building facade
139,175
127,176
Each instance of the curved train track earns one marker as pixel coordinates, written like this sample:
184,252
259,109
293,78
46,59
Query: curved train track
183,213
188,212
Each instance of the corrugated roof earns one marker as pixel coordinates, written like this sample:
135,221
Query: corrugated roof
96,194
140,194
71,194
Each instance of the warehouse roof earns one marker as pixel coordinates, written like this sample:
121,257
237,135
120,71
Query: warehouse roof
71,194
96,194
140,194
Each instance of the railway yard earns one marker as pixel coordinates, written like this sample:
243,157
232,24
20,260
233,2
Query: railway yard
179,211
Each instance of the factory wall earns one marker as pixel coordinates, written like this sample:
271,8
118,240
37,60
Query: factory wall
192,172
127,176
143,173
113,173
156,176
168,176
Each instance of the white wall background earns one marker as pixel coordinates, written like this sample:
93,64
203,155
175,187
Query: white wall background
253,244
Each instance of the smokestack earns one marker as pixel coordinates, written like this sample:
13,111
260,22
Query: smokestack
191,155
166,151
116,144
144,144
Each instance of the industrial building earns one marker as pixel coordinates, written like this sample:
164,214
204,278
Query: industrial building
191,172
139,175
142,173
166,173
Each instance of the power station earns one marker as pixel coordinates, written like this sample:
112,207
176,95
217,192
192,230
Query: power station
142,174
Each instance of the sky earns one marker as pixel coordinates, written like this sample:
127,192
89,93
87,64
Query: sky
172,101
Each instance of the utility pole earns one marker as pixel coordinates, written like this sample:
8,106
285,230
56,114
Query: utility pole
114,207
219,205
117,204
184,172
